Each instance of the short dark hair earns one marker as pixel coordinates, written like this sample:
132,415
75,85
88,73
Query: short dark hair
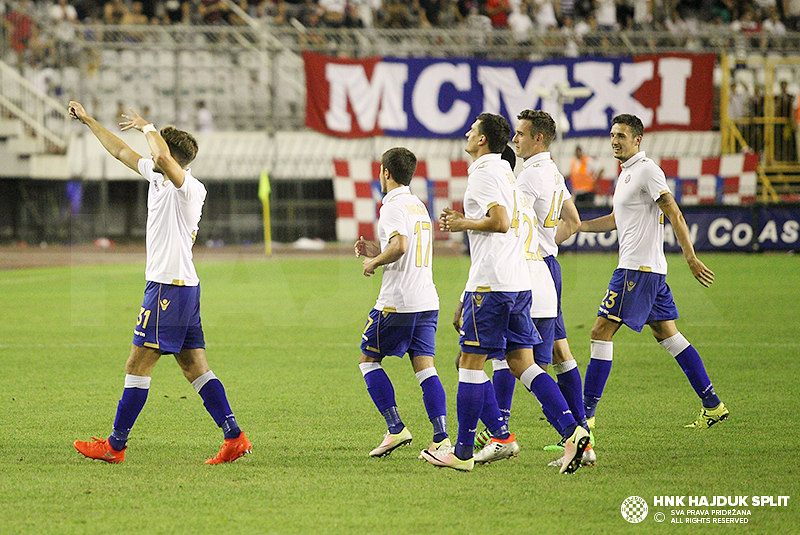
510,156
401,164
541,123
496,129
182,145
631,120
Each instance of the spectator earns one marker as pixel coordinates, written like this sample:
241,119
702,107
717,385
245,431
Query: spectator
205,121
784,131
214,12
498,11
521,24
546,16
114,12
739,108
177,11
584,171
606,15
450,16
334,11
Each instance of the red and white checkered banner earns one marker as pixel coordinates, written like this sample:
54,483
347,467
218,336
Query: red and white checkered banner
730,179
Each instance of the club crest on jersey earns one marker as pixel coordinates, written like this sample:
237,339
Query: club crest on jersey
164,304
627,179
630,285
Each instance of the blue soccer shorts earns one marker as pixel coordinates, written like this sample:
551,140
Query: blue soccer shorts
637,298
494,323
396,333
555,271
169,319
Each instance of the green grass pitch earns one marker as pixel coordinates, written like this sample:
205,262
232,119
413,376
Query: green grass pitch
283,336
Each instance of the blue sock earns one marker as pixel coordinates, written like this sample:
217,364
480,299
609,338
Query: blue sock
469,406
491,416
597,373
504,382
382,393
130,405
433,397
569,382
553,403
216,403
692,365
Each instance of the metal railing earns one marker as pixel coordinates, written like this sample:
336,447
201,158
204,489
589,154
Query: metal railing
44,117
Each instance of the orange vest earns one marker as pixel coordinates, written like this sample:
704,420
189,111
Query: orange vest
582,179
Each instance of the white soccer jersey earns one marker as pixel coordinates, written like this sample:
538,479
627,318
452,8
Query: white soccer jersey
173,216
544,186
640,222
498,262
407,284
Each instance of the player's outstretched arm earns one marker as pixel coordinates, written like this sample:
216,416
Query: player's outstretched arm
114,145
569,223
159,149
606,223
496,220
673,212
397,247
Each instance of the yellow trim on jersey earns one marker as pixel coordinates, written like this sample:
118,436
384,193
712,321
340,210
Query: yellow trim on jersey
483,289
492,205
663,192
646,269
470,343
389,309
393,234
178,282
614,318
151,346
370,348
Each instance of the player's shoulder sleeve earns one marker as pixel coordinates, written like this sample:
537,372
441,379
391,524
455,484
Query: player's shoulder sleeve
145,166
529,184
485,189
655,181
192,188
394,218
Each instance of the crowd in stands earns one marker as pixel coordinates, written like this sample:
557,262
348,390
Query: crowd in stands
521,16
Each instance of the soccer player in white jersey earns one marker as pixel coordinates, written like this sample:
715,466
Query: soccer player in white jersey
544,186
169,319
497,300
405,316
638,293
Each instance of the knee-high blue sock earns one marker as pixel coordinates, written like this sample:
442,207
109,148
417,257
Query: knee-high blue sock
491,416
435,401
692,365
553,403
503,382
597,373
569,382
216,403
382,393
133,399
469,406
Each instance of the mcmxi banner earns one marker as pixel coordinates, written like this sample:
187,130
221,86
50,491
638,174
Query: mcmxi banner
428,98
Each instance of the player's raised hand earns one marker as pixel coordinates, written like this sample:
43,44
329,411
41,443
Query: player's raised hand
77,112
134,120
703,275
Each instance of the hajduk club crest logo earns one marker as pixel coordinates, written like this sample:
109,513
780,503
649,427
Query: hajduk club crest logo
634,509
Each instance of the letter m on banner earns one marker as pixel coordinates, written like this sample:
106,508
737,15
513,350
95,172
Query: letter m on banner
354,98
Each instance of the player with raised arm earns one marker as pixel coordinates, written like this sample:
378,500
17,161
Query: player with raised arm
544,186
638,293
497,300
405,316
169,319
